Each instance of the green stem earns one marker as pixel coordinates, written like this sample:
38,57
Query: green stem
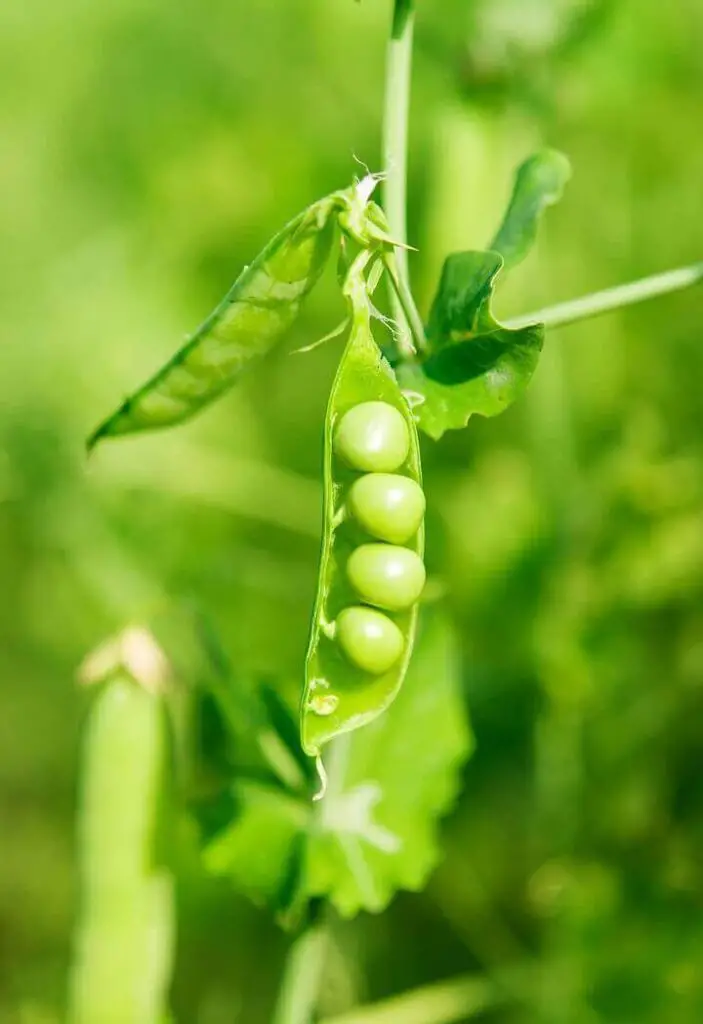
613,298
443,1003
301,979
305,963
401,289
395,158
395,123
558,736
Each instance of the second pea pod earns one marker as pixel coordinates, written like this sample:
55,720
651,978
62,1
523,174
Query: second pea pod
372,572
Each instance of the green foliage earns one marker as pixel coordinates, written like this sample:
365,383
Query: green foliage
146,151
257,851
473,364
539,182
376,829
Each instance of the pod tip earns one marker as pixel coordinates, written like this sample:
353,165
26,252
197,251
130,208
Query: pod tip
322,774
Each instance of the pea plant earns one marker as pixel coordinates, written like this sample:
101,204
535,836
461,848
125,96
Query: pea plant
340,813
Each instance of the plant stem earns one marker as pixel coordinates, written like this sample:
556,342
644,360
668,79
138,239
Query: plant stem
395,158
301,979
395,122
401,289
613,298
299,992
443,1003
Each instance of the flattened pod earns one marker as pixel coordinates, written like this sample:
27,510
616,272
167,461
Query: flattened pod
255,314
340,695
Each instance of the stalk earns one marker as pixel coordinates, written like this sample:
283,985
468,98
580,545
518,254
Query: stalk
298,997
611,299
400,289
558,740
395,164
445,1002
301,979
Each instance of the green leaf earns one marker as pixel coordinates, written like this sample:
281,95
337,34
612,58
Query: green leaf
539,182
258,851
475,364
376,829
465,289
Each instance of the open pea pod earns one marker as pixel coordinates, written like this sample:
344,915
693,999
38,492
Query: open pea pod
371,571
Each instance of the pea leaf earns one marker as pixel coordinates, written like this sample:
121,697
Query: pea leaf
539,182
376,829
258,850
475,364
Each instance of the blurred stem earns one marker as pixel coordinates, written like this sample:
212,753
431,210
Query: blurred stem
301,979
613,298
395,161
306,958
281,761
558,772
443,1003
549,416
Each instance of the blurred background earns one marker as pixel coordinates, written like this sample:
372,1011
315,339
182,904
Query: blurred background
147,151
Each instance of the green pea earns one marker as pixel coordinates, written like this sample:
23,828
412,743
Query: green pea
373,437
387,506
387,576
369,639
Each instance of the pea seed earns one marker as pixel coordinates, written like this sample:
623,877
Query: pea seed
369,639
373,437
387,506
387,576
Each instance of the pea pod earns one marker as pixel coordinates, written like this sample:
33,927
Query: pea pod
366,608
255,314
253,317
125,933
